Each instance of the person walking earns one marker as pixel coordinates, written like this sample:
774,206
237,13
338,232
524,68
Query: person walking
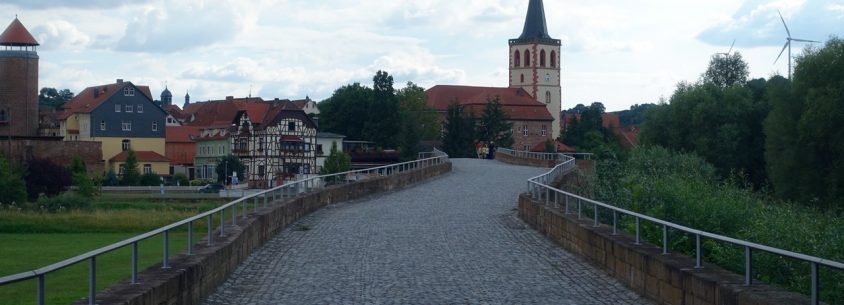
484,151
491,154
479,149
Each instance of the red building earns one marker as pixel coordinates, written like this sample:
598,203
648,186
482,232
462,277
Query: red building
532,123
181,149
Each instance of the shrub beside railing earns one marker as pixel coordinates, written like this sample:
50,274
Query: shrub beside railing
542,188
243,206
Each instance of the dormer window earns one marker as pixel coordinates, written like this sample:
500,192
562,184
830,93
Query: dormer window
129,91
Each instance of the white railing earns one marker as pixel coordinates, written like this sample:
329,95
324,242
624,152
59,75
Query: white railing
541,188
560,157
271,196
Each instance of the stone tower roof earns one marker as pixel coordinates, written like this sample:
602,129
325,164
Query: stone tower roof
536,29
17,35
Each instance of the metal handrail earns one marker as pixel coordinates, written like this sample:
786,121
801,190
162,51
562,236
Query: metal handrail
537,184
543,156
295,187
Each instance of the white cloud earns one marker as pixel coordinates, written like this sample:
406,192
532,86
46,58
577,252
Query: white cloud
60,34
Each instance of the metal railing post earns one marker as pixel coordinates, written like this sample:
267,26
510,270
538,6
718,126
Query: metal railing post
698,261
254,204
748,278
579,209
234,214
638,231
664,239
39,294
210,225
595,211
815,296
165,264
567,204
92,280
614,222
190,238
547,196
222,222
134,263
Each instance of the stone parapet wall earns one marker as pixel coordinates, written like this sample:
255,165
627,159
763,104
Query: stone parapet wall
191,278
666,279
60,152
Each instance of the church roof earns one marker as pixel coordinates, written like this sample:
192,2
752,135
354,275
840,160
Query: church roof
166,93
516,102
17,35
536,29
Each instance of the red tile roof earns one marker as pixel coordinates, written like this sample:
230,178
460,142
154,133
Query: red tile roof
142,156
516,102
222,113
182,134
17,35
92,97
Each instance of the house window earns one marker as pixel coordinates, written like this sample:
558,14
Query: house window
542,58
525,130
129,91
147,168
122,169
140,108
125,145
543,131
127,125
319,151
117,108
522,78
261,170
128,108
102,125
553,59
526,148
260,144
517,59
307,169
291,126
154,126
548,97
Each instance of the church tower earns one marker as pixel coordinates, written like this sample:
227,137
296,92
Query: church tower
166,97
535,63
18,82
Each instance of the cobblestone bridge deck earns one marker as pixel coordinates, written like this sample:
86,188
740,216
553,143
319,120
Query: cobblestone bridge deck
455,239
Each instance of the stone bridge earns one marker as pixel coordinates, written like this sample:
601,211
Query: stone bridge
450,240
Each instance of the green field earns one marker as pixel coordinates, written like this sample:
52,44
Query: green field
32,239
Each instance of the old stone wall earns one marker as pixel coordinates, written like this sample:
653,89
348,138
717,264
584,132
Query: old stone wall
190,278
60,152
667,279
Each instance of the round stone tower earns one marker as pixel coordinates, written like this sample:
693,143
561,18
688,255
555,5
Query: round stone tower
18,82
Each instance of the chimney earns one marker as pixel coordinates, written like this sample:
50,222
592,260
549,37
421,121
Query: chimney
229,98
119,80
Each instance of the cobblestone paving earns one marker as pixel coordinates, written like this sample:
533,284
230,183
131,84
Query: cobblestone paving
452,240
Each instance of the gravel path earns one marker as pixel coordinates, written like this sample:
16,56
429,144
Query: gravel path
452,240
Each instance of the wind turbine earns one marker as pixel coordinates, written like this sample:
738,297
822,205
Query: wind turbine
730,51
787,45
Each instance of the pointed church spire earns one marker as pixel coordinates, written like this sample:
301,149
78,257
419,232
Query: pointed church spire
536,29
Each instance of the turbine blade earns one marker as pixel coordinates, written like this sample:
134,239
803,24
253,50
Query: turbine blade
731,47
783,50
804,40
783,23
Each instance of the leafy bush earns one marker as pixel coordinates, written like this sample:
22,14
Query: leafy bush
45,177
85,186
180,180
684,189
12,185
150,179
66,201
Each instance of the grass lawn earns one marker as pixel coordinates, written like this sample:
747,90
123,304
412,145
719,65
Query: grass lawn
30,240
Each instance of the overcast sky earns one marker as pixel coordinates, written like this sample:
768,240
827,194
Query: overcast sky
618,52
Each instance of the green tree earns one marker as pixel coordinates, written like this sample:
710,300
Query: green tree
85,186
591,119
809,119
45,177
726,70
12,185
459,132
54,98
110,179
345,112
131,176
412,103
180,179
150,179
228,165
336,162
494,125
77,166
382,124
